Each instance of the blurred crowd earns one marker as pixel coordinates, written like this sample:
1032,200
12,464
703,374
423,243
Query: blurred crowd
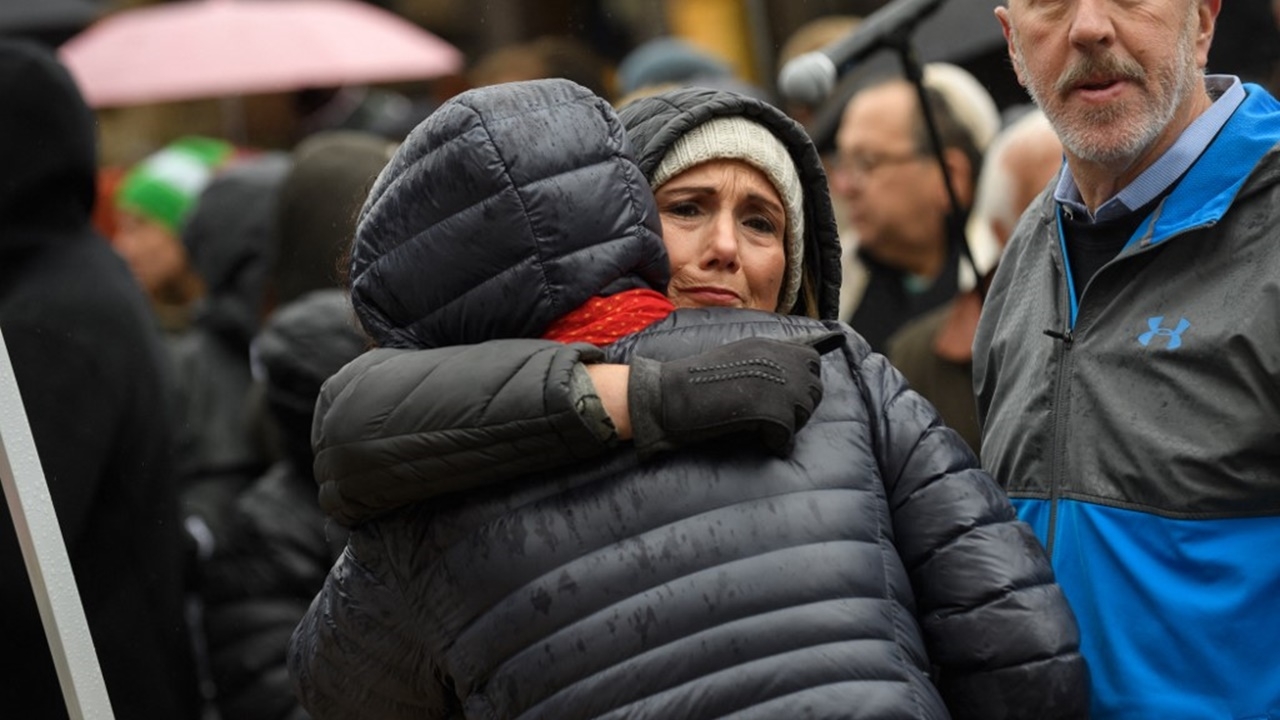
180,459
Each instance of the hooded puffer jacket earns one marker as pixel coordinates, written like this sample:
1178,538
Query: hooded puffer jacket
875,573
501,410
655,124
495,219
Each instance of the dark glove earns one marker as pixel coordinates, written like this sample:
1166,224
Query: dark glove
758,386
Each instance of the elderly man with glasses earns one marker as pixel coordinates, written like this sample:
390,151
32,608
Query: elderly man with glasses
895,193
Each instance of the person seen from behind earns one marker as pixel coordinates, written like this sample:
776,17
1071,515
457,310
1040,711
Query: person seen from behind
88,361
276,547
231,240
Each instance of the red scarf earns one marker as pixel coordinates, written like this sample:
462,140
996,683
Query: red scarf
601,320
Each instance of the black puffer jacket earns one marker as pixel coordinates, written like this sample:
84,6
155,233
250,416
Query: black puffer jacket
494,219
876,573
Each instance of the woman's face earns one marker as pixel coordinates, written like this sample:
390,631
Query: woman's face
724,227
154,254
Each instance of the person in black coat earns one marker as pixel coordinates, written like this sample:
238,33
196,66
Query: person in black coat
231,239
88,362
855,563
277,546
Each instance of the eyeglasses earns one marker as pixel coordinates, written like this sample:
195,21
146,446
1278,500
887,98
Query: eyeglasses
864,163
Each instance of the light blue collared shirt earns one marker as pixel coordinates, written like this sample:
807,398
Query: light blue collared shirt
1170,166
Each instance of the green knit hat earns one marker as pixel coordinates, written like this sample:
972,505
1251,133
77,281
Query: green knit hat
164,186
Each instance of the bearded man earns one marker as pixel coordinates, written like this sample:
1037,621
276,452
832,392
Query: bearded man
1127,363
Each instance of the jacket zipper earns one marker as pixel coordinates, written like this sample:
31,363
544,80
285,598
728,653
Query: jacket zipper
1067,337
1061,391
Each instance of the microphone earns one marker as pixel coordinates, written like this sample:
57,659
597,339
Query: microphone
810,77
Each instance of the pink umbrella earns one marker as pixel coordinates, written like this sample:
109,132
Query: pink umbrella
212,48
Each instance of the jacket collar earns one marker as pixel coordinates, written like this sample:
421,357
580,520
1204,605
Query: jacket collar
1214,181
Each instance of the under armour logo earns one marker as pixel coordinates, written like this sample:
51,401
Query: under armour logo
1174,334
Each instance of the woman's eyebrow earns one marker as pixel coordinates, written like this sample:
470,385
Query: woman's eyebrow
766,201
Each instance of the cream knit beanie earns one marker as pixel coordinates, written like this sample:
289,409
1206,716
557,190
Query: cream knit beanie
737,138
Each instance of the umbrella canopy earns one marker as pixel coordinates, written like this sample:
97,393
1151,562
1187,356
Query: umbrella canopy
212,48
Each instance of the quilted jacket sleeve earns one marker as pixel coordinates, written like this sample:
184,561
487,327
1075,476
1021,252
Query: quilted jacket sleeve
356,653
999,632
400,426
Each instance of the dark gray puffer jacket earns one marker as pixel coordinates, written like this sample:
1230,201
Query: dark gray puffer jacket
875,573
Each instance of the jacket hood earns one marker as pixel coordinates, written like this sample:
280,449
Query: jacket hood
300,346
508,207
319,199
50,160
655,123
230,237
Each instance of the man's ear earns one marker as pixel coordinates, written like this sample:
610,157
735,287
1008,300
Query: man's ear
1002,15
1207,15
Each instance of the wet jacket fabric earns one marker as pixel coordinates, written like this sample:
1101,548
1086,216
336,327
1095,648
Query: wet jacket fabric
716,582
876,573
88,363
278,547
1143,442
544,204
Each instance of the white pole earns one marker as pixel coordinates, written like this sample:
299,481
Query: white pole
46,557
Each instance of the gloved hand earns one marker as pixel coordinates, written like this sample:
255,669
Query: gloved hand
760,386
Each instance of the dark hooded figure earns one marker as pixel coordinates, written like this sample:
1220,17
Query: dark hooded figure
230,237
89,365
317,205
277,547
857,563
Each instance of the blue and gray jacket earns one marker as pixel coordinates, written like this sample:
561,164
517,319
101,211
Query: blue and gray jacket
1141,438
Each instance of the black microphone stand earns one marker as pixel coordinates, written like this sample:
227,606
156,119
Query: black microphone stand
914,72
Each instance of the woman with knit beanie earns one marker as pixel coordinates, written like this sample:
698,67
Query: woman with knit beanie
791,533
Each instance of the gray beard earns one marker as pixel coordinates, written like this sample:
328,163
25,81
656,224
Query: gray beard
1078,134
